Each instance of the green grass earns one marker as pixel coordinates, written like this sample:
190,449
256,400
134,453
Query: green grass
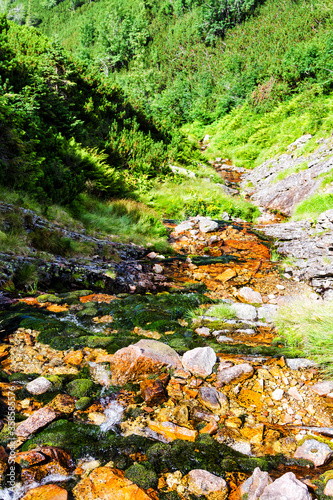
313,206
290,171
221,311
195,197
308,326
249,138
127,221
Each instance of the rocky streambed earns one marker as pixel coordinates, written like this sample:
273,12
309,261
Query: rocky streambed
184,393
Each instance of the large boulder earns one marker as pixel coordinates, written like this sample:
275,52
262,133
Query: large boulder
46,492
245,311
286,487
139,360
105,483
319,453
200,361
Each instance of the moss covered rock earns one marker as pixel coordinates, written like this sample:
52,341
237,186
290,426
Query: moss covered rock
49,297
83,403
79,388
142,476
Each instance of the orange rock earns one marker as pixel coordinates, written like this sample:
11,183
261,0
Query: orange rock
63,403
191,393
105,483
56,308
139,360
210,428
247,398
153,392
172,431
26,458
98,297
74,358
227,275
46,492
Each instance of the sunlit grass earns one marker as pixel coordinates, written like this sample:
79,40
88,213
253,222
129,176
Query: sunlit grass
193,197
308,325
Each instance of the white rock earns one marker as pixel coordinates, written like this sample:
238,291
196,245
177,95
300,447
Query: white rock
267,312
183,226
249,295
207,225
245,311
286,487
199,361
152,255
323,388
299,363
293,392
277,395
280,287
206,139
203,331
158,269
329,488
38,386
319,453
182,171
201,482
255,485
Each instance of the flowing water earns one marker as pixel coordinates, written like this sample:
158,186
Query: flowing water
71,342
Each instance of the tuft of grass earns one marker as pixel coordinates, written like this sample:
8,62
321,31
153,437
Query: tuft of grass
26,277
313,206
195,197
127,220
308,325
221,311
290,171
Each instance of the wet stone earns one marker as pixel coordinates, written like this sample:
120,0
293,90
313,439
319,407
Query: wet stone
199,361
172,431
139,360
203,331
245,311
46,492
202,482
153,392
213,399
38,386
300,363
287,487
37,420
207,226
329,488
255,485
105,483
234,374
247,294
323,388
319,453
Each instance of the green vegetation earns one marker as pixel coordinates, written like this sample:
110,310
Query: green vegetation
290,171
196,197
309,327
313,206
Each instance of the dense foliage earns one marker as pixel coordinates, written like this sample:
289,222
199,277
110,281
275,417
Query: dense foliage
63,131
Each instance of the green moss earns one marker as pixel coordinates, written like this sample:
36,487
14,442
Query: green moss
83,403
142,476
56,381
79,388
48,297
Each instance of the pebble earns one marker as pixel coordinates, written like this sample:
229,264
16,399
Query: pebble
38,386
277,395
